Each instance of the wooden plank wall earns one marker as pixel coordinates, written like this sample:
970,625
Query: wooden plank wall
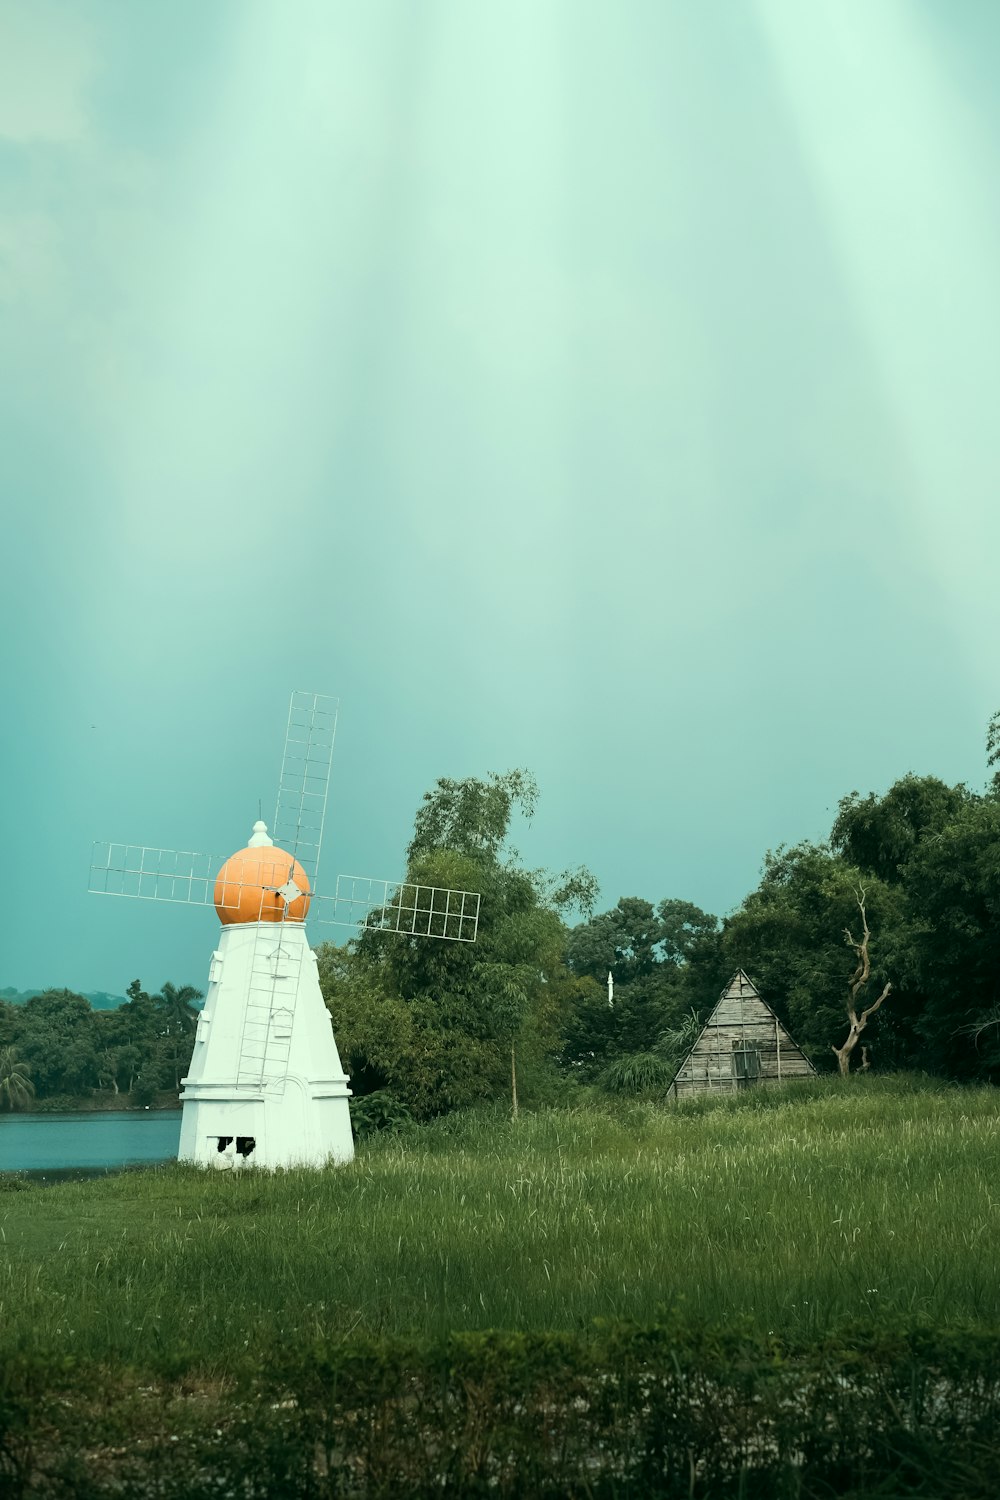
740,1017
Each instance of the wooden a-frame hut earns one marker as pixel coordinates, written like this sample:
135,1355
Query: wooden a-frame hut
741,1044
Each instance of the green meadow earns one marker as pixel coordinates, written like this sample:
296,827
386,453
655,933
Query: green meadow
793,1213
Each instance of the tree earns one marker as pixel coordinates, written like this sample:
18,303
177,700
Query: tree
937,846
788,936
472,816
440,1024
858,984
649,951
178,1016
9,1022
952,950
625,940
16,1087
135,1030
55,1037
879,835
685,929
993,749
177,1008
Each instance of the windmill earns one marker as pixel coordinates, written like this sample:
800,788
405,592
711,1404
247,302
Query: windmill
266,1082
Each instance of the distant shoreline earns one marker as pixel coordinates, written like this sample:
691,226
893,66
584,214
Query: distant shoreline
114,1104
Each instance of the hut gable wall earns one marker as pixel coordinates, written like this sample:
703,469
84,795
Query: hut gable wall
743,1022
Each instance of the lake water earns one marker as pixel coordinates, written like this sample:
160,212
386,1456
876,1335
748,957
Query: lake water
57,1144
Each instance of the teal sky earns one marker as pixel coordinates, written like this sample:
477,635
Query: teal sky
606,388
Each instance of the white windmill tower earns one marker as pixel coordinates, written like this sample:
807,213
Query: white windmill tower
266,1083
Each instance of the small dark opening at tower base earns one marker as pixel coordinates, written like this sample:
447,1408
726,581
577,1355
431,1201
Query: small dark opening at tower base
245,1145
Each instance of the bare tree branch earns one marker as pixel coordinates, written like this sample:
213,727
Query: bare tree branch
876,1003
858,981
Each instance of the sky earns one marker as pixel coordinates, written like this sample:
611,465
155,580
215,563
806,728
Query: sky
606,387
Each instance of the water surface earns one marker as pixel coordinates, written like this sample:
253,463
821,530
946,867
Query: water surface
56,1143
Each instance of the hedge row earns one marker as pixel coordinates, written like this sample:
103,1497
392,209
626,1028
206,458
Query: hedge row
622,1411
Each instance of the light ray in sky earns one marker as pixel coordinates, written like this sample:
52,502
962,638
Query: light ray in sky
260,266
900,169
579,386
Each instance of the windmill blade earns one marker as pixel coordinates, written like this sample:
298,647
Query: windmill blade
426,911
179,875
305,778
149,874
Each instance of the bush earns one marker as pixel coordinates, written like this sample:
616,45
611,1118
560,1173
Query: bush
639,1073
620,1411
379,1111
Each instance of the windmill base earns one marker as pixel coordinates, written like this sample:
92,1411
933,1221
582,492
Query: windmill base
293,1129
266,1087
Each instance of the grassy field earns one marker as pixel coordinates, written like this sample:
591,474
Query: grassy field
791,1212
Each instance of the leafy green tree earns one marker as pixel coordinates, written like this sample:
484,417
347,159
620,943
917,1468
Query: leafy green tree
952,953
137,1030
993,750
440,1024
472,816
80,1066
8,1023
686,930
879,835
649,952
789,937
16,1087
55,1037
936,844
111,1041
625,941
71,1049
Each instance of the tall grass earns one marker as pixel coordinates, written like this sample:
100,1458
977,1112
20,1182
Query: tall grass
790,1212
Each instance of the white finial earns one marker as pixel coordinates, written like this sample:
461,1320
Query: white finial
259,836
611,992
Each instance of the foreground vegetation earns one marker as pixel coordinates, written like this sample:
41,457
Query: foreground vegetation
623,1411
785,1213
785,1292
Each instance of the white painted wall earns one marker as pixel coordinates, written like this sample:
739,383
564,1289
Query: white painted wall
265,1061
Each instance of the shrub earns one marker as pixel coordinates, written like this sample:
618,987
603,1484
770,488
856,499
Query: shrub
621,1410
379,1111
639,1073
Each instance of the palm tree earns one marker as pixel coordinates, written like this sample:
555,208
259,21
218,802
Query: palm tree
16,1087
177,1007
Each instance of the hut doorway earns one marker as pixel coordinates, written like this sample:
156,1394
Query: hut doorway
746,1064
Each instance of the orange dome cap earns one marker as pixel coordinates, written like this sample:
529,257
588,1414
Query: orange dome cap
261,884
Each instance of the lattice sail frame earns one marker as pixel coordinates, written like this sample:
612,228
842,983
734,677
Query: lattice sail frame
143,872
304,780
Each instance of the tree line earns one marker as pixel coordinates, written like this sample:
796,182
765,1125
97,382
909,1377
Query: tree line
877,948
55,1046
